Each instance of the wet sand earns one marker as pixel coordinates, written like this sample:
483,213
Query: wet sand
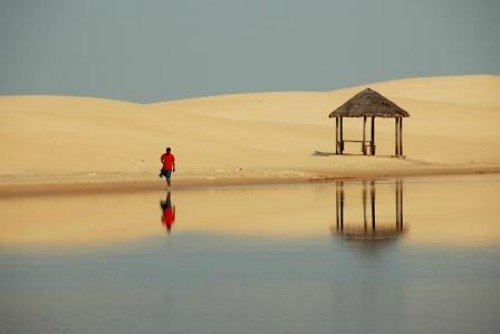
27,188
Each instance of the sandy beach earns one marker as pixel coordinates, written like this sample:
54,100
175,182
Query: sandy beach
66,144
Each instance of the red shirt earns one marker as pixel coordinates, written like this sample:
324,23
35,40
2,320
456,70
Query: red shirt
168,160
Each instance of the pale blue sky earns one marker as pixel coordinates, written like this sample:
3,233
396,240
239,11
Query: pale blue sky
153,50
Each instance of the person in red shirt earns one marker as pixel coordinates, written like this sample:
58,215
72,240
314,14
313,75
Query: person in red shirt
168,161
168,217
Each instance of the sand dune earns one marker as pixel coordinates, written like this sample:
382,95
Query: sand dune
246,137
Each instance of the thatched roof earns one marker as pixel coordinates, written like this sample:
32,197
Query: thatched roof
369,103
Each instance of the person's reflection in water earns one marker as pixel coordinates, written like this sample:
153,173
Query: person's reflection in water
168,216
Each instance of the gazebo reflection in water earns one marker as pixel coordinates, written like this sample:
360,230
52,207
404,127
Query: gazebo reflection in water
370,230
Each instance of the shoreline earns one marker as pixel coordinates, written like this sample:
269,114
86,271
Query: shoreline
18,189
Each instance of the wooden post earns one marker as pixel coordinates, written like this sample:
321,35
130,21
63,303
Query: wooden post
341,141
363,148
401,136
337,135
397,136
372,146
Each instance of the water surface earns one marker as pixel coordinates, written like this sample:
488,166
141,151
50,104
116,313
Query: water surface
416,256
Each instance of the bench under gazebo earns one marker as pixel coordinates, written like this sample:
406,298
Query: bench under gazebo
368,104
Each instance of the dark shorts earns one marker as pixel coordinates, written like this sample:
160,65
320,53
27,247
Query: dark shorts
167,173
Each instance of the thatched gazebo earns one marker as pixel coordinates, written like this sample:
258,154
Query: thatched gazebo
368,104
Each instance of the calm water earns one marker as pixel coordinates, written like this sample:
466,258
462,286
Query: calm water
419,256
